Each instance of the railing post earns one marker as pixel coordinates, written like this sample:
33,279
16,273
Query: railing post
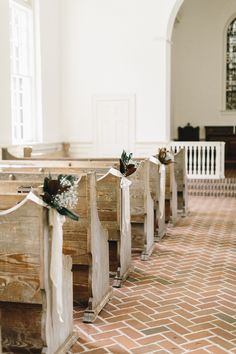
222,160
218,160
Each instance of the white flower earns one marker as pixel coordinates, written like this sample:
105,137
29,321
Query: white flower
67,199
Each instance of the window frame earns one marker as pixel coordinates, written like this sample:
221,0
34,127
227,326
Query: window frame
29,129
224,109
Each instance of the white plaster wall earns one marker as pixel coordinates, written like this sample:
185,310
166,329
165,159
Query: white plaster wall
198,64
90,47
50,47
5,98
115,47
49,25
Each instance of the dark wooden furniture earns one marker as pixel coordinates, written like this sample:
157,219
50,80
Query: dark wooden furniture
188,133
226,134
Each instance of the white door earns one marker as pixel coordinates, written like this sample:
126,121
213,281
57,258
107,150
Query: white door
114,125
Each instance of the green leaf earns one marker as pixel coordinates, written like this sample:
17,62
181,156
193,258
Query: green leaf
68,213
45,184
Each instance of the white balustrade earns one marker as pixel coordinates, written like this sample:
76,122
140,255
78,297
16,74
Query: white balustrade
204,159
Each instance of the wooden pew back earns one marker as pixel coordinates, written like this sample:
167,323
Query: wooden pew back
142,210
28,313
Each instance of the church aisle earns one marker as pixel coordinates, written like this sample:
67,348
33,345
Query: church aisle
180,301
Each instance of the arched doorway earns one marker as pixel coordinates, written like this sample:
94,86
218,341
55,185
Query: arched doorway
198,64
169,30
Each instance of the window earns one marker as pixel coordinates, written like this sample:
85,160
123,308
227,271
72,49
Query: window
231,67
22,71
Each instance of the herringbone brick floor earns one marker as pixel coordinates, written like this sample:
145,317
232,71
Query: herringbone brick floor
183,300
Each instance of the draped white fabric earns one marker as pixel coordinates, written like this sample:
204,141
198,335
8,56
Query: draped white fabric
124,184
56,221
162,172
113,172
31,196
162,189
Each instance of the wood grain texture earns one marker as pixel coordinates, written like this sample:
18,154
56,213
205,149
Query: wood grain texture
181,181
87,242
29,321
142,210
109,198
111,206
20,258
157,194
98,244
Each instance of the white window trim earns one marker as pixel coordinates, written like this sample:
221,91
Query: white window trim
224,111
36,111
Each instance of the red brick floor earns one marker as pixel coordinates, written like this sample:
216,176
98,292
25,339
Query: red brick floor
183,300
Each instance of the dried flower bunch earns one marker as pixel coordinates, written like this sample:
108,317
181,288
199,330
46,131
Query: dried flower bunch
127,166
61,193
165,156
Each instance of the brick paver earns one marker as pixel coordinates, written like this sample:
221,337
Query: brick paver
182,300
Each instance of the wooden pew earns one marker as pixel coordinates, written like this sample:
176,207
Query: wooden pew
29,167
114,211
85,240
170,195
176,192
72,167
28,312
99,165
157,188
110,203
142,211
34,152
181,182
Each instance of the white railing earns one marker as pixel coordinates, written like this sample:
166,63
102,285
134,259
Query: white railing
204,159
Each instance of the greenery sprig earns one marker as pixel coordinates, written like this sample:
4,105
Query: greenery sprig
127,166
61,193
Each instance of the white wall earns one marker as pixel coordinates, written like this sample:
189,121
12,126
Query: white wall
115,47
5,98
198,64
92,48
50,46
49,17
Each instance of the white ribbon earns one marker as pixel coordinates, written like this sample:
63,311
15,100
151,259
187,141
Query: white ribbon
162,189
154,160
162,171
30,196
124,184
113,172
57,220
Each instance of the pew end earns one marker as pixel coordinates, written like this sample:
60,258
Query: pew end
142,211
29,319
112,209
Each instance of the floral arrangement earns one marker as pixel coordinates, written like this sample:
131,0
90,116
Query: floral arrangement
127,166
61,194
165,156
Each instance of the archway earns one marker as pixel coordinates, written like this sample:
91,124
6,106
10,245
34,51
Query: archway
198,64
169,30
